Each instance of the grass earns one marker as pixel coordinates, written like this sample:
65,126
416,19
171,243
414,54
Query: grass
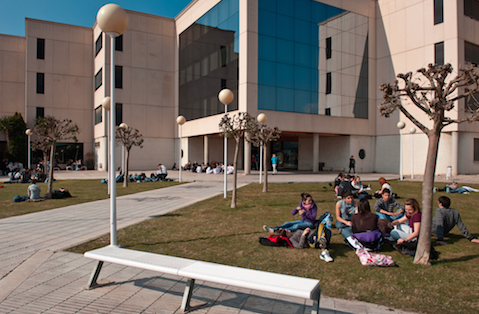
212,231
82,191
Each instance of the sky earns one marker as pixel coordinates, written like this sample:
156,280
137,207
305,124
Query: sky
75,12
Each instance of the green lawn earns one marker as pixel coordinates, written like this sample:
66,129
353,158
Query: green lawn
211,231
81,190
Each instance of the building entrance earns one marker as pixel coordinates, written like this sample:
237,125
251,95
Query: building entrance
287,153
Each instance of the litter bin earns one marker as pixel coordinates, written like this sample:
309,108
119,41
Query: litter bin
449,173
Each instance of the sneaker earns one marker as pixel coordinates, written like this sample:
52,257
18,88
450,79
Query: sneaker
268,229
323,243
325,256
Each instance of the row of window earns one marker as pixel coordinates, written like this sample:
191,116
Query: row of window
99,43
118,114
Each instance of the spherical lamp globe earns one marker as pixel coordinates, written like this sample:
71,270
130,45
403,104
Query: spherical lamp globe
226,96
180,120
401,125
112,18
28,132
123,125
106,103
412,130
262,118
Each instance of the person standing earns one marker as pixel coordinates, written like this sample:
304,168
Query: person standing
274,162
352,164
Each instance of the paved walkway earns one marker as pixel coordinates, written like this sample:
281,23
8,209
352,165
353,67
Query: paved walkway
38,277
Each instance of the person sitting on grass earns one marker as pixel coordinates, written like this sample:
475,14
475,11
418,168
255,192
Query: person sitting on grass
384,207
33,191
445,219
406,229
337,182
345,209
365,227
384,185
307,210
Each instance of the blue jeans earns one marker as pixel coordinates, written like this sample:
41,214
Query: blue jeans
459,190
345,230
390,218
295,225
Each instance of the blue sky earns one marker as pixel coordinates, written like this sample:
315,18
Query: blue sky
76,12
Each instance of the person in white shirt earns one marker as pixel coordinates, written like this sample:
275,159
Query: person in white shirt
230,169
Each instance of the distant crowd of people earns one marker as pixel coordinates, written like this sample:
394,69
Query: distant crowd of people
208,168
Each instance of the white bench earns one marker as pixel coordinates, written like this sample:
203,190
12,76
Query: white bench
305,288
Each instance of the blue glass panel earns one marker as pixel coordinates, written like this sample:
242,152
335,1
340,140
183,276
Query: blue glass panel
285,7
268,5
285,75
267,48
233,6
314,102
302,78
314,35
233,24
285,27
302,101
314,64
267,23
333,11
267,72
222,11
285,51
285,97
266,97
314,80
213,14
302,55
302,31
237,44
302,10
319,12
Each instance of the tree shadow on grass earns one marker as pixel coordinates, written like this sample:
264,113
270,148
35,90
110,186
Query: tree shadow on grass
165,216
455,260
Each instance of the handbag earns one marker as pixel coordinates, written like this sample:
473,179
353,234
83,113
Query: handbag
373,259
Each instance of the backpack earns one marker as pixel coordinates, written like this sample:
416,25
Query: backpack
319,238
275,240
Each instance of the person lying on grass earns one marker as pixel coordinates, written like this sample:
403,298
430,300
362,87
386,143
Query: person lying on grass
406,229
299,240
307,209
445,219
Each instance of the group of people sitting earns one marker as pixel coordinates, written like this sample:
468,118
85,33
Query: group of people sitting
34,190
363,229
353,184
213,168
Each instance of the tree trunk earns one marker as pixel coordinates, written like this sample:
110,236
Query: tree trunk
125,171
423,251
265,167
50,171
235,163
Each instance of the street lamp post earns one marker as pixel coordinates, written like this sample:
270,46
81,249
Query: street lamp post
106,105
124,126
400,126
113,21
226,96
412,131
180,120
29,133
261,119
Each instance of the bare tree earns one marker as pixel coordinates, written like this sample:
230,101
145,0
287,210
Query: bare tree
262,134
42,145
129,137
51,130
236,126
434,98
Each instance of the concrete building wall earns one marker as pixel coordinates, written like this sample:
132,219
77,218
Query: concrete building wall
305,153
366,143
334,151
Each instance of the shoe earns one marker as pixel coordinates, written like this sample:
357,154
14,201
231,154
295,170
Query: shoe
268,229
466,193
323,243
325,256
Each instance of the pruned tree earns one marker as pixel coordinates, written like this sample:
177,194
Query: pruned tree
14,127
235,127
51,130
129,137
262,134
42,145
434,97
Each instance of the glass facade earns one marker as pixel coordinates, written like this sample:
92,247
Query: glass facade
312,57
208,61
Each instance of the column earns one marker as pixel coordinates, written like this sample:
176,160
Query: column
247,154
455,153
315,153
206,150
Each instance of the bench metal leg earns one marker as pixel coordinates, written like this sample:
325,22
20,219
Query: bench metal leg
185,304
316,299
94,276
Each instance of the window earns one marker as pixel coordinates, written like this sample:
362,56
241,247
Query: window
119,43
328,48
327,111
439,11
439,53
476,149
223,83
40,112
118,114
40,83
471,53
223,56
98,79
471,9
98,43
328,83
40,48
118,76
98,115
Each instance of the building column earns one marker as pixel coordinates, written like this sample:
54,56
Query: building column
247,154
206,150
315,153
455,153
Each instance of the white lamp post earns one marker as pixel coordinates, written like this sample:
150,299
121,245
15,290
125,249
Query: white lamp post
124,126
29,132
106,104
412,131
113,21
400,126
226,97
261,119
180,120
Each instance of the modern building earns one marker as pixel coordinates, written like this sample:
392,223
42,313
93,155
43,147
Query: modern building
312,66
